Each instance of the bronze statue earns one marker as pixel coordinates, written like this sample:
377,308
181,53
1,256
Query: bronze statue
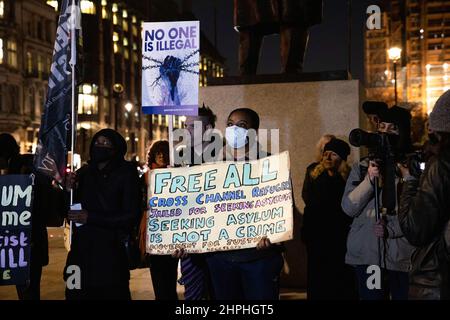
255,19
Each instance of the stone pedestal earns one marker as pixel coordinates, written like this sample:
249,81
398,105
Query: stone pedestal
303,112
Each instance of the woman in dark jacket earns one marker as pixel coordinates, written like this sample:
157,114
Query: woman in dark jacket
325,225
108,191
246,274
424,213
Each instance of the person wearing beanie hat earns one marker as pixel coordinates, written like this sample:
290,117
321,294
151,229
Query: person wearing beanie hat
338,146
440,116
424,213
325,226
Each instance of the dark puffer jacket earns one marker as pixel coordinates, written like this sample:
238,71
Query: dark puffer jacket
424,218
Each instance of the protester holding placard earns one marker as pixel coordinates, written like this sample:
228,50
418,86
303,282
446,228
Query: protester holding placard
325,225
108,190
251,274
163,268
48,203
194,269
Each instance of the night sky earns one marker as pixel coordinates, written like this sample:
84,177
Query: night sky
328,41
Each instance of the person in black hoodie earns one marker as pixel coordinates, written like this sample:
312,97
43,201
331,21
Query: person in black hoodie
325,225
108,190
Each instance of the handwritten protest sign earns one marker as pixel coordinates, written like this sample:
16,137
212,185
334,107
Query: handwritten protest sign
15,228
170,67
221,206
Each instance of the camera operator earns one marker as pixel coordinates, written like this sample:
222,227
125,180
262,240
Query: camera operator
425,211
371,242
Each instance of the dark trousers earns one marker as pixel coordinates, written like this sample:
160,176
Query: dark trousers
328,277
163,270
32,289
393,283
293,41
118,292
254,280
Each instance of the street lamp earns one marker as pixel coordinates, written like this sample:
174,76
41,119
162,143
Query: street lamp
118,90
128,107
395,53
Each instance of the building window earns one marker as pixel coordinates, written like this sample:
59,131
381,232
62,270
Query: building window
135,57
116,42
88,100
126,54
31,102
40,66
115,19
53,3
135,30
124,14
12,53
1,50
42,99
29,63
133,19
125,25
125,42
87,7
2,8
115,8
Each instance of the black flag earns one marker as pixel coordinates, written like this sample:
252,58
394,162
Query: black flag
54,134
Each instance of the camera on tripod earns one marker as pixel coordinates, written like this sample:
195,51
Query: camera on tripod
384,148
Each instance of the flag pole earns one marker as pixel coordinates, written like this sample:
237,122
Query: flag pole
171,155
73,62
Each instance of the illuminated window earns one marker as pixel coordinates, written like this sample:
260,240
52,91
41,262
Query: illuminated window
29,62
115,8
1,50
124,14
115,19
40,66
125,42
104,3
205,80
135,31
12,53
105,14
125,25
115,37
135,57
126,54
87,104
133,19
87,7
116,48
2,9
52,3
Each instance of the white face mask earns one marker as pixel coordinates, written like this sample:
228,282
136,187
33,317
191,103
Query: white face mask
236,136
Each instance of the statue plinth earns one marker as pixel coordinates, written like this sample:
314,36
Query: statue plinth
281,78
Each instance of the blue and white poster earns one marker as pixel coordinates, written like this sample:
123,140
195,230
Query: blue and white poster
170,67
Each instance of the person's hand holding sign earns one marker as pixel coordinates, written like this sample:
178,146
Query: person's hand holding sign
78,216
264,243
180,254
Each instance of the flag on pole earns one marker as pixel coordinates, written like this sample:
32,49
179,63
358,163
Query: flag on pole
57,126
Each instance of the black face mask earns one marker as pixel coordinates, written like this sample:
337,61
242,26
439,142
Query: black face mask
101,154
